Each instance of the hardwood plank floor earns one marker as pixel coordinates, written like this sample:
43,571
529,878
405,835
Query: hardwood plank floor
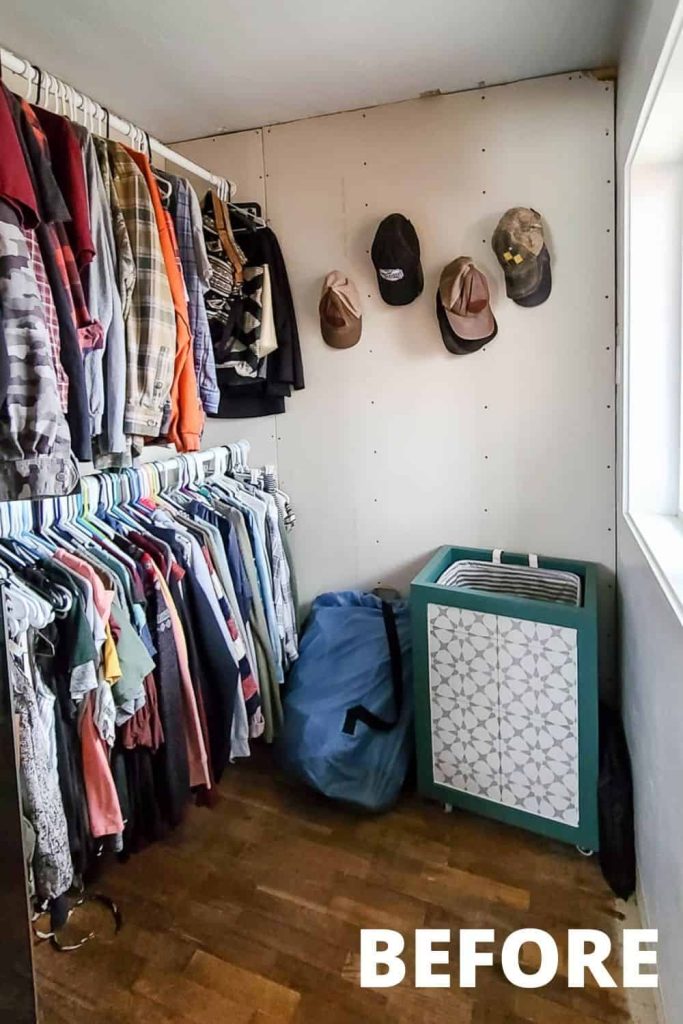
250,914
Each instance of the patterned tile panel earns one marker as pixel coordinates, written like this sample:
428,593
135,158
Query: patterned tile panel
539,768
460,620
503,696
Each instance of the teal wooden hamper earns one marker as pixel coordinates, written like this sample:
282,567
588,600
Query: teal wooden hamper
506,699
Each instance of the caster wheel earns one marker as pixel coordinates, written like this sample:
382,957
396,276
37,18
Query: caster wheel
448,808
584,852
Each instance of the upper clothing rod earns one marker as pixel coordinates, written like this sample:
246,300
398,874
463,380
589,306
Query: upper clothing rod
94,115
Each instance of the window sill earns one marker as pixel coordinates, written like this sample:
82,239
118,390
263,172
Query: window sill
661,539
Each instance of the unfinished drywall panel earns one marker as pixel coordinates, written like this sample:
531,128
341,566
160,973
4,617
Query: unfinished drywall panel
396,446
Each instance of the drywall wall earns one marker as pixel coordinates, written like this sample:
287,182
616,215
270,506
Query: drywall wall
396,446
651,653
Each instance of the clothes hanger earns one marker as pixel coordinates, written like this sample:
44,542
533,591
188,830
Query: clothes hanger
164,185
246,219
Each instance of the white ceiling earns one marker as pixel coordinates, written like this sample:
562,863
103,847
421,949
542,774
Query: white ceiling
187,68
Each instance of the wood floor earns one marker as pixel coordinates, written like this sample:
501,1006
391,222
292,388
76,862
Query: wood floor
250,914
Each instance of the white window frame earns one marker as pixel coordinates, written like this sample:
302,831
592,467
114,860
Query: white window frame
657,530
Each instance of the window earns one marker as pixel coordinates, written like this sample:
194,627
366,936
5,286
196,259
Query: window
653,335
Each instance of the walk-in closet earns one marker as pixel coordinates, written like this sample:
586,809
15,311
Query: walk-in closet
340,538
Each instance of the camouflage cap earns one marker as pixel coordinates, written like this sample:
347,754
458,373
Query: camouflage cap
519,244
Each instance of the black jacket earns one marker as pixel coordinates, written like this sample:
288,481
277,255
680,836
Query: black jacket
247,397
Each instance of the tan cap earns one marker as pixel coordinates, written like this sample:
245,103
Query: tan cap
340,311
463,308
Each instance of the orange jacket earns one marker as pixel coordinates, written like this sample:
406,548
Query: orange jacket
187,415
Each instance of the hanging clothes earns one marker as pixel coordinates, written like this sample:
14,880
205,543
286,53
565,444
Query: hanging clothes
186,214
52,208
150,316
106,367
150,313
150,631
281,371
186,419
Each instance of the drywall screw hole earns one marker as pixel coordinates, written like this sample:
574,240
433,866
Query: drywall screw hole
609,529
609,406
363,115
486,406
376,542
486,456
609,467
483,191
609,181
366,205
483,150
365,163
485,510
608,230
607,348
483,241
483,97
607,132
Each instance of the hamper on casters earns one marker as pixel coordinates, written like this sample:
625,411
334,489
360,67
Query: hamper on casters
506,689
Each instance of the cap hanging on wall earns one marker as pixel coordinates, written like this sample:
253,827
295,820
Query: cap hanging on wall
519,244
396,256
341,319
463,309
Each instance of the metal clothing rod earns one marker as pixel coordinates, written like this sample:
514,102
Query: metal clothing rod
98,118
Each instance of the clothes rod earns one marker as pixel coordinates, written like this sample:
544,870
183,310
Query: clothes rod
96,117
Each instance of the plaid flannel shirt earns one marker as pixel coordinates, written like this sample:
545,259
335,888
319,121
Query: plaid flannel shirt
50,314
90,334
150,317
35,449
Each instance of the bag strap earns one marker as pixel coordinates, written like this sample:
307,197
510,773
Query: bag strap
360,713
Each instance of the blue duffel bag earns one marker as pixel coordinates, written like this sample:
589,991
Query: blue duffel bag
348,708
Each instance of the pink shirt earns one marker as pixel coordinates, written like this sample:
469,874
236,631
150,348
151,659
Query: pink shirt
102,597
104,808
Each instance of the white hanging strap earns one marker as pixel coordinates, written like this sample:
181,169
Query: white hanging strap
497,556
533,561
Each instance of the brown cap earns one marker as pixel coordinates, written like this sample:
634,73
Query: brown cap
340,312
463,309
520,247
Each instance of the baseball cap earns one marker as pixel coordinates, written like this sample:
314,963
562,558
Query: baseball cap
340,312
519,244
463,307
396,256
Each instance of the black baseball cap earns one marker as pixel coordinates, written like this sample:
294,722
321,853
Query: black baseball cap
396,256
